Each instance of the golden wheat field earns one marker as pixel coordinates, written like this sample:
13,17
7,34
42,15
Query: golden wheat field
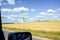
45,26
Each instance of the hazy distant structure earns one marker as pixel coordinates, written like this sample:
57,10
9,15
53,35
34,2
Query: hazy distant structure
38,18
20,17
23,17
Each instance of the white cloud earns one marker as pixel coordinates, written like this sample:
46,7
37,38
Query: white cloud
32,10
5,10
58,9
36,18
46,14
20,9
42,13
11,2
10,18
50,11
13,15
32,19
39,16
50,14
55,16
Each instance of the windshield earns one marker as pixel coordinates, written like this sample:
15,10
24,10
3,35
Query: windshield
40,17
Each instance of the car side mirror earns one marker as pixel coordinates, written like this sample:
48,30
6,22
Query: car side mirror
20,36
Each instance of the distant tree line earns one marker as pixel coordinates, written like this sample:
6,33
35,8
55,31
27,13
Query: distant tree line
7,23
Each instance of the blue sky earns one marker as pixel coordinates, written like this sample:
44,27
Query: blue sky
31,10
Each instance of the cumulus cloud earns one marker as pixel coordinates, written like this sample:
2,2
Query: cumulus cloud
46,14
11,18
55,16
20,9
50,14
32,19
50,11
42,13
13,15
36,18
8,17
6,10
58,9
32,10
39,16
11,2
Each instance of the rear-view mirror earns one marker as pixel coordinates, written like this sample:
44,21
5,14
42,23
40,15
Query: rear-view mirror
20,36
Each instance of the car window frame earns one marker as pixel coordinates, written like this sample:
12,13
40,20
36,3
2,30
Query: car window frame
1,31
